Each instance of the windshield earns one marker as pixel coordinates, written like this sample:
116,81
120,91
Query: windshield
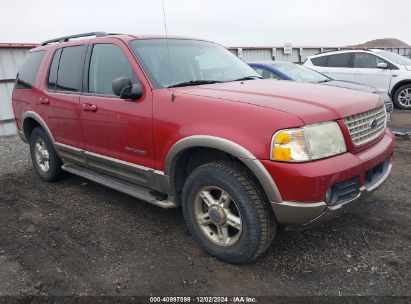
170,62
398,59
300,73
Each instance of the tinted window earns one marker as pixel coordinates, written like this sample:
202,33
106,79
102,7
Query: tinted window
366,61
339,61
266,73
28,71
70,69
107,63
52,79
320,61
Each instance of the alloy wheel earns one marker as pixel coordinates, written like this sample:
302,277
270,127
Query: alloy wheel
42,155
218,216
404,98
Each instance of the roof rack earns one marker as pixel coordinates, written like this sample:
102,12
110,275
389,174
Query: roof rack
67,38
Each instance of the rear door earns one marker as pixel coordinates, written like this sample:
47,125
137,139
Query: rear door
336,66
114,129
365,67
60,96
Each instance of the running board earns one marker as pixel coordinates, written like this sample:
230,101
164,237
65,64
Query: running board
141,193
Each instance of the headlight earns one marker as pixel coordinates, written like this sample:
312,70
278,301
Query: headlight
308,143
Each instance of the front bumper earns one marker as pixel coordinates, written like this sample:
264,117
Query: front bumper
304,215
352,177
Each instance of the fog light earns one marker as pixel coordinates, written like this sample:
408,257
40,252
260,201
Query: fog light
328,195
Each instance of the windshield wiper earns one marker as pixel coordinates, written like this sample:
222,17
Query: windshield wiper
248,78
326,80
193,83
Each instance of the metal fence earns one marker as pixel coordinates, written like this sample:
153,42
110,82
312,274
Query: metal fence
11,56
294,54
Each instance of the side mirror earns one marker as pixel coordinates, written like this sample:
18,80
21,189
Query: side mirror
382,65
123,88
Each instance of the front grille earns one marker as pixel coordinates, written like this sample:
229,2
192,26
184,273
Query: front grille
366,126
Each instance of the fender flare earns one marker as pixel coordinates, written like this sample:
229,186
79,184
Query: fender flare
230,147
39,120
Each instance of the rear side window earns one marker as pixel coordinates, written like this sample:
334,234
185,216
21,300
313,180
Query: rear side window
28,71
107,63
70,69
320,61
339,61
52,79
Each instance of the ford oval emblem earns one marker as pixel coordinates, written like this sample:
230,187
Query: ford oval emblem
373,124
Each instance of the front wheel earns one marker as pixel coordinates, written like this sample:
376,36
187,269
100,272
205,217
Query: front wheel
402,97
227,213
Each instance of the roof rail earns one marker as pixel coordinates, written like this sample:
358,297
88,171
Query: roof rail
67,38
347,48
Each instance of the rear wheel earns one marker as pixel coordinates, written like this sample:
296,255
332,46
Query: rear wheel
402,97
227,213
45,159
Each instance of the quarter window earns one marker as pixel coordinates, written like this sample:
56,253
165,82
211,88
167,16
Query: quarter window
339,61
320,61
52,79
28,71
366,61
69,74
107,63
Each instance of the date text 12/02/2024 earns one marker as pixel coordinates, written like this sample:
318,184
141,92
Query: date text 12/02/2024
201,299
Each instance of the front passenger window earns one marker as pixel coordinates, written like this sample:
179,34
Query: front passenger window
366,61
107,63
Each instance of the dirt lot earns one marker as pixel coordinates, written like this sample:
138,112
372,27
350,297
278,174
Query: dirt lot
75,237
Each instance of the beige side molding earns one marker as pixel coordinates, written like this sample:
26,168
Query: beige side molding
229,147
41,122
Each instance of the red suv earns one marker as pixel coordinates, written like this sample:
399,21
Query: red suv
177,121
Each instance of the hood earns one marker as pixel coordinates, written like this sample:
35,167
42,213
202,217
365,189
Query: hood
350,85
310,102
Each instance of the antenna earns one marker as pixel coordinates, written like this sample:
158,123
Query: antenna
168,49
164,18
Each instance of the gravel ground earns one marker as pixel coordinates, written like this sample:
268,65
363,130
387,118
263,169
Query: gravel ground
75,237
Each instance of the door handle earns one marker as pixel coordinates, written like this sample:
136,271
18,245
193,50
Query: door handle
89,107
44,100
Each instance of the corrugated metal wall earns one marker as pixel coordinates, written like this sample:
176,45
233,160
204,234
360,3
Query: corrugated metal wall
10,59
299,55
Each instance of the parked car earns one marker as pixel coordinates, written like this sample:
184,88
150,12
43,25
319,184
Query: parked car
183,122
294,72
384,70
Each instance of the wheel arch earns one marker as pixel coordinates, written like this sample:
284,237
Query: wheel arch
399,85
30,120
225,146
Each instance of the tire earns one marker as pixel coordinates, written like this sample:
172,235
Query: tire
249,219
402,97
45,160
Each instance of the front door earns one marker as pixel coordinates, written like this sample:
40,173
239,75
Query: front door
117,132
366,69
